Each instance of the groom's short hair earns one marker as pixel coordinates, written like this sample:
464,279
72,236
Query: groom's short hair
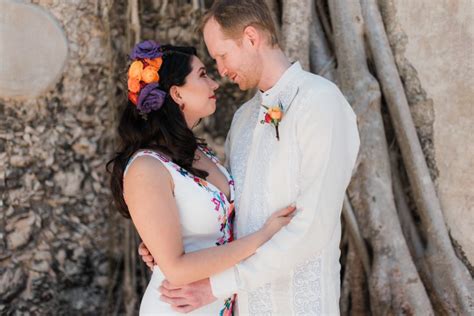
235,15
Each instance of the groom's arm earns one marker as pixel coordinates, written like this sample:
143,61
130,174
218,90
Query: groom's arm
328,141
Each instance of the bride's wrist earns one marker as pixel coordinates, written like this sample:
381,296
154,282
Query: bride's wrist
263,235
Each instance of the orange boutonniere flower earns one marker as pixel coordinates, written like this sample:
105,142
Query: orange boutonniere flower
273,116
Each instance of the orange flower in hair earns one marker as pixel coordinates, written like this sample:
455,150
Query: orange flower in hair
143,87
155,62
133,97
150,74
135,70
133,85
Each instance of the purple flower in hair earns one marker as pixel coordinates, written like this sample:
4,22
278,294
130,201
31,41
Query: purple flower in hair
146,49
150,98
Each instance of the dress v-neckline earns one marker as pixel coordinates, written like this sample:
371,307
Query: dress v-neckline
209,186
230,181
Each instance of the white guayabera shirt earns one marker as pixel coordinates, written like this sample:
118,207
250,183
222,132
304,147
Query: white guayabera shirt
297,271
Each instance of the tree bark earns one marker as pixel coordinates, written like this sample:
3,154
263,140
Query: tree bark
321,58
295,30
451,280
395,286
276,14
355,235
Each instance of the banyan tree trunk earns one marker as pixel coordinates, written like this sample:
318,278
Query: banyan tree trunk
413,268
395,286
443,272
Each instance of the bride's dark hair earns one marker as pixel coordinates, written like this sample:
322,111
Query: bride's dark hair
164,130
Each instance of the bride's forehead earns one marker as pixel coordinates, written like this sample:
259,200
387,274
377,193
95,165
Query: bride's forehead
196,62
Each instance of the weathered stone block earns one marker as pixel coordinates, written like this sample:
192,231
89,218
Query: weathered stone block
33,50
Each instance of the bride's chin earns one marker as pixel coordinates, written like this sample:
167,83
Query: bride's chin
213,109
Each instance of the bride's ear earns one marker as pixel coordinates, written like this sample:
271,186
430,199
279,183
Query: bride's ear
174,93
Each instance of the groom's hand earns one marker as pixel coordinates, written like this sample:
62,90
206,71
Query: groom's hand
187,298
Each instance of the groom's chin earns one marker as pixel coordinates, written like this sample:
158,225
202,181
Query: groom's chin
243,86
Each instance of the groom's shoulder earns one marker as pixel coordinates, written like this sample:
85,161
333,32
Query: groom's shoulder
313,84
317,91
317,94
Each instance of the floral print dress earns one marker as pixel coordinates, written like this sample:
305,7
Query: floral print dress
206,216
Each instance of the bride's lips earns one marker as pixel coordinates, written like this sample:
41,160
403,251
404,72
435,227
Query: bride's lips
213,97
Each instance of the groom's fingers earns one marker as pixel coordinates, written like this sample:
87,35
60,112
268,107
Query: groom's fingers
174,301
171,293
183,309
170,286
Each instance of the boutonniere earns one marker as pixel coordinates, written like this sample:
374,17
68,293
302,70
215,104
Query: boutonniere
273,116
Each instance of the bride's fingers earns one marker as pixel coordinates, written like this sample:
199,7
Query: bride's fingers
150,265
147,259
286,211
143,250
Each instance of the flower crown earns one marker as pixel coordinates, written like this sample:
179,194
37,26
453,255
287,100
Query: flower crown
143,77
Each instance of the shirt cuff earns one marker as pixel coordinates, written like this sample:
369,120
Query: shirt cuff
224,284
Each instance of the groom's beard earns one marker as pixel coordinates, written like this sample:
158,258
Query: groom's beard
245,83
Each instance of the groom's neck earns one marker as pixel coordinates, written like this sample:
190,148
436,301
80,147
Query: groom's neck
275,63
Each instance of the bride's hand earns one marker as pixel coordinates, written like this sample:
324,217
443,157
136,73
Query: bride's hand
277,220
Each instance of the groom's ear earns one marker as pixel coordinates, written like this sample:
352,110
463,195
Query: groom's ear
252,34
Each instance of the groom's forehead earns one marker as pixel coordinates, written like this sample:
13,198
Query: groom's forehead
216,40
215,44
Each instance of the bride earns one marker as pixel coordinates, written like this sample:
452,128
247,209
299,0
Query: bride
172,186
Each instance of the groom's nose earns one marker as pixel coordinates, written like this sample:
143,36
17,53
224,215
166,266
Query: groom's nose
221,69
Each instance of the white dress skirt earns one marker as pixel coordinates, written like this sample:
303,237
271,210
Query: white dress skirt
206,221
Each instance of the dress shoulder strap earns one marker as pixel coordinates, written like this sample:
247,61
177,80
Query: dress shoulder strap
164,160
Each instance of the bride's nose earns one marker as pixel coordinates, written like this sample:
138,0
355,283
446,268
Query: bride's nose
214,85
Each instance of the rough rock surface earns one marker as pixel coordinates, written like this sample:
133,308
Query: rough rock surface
54,198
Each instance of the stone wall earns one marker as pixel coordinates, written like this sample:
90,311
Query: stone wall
55,137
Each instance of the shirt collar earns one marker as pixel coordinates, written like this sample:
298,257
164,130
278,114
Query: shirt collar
284,90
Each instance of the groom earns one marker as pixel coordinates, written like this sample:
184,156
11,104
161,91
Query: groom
300,148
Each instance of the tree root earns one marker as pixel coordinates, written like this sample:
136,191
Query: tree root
395,286
452,282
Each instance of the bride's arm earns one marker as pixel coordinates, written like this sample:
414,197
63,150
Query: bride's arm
148,192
